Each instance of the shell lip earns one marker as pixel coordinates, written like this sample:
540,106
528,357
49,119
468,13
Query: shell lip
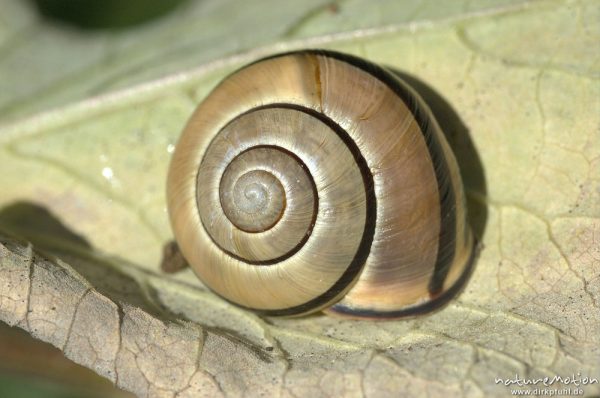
436,303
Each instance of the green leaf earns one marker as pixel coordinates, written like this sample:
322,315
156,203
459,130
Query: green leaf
87,124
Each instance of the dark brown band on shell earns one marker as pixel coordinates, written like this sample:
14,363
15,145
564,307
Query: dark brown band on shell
428,125
447,235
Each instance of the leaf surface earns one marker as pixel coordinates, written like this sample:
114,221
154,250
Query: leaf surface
87,125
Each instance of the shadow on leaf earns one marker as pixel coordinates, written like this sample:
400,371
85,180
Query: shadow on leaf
50,237
458,136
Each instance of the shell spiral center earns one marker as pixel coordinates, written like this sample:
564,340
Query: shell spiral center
254,202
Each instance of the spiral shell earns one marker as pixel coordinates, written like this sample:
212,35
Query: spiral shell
315,179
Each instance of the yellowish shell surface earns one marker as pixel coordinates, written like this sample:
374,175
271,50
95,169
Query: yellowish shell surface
313,179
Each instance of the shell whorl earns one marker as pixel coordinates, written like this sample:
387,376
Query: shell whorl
313,178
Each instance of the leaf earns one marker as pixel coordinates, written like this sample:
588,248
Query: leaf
517,87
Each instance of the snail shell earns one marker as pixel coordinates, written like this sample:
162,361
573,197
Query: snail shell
314,179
